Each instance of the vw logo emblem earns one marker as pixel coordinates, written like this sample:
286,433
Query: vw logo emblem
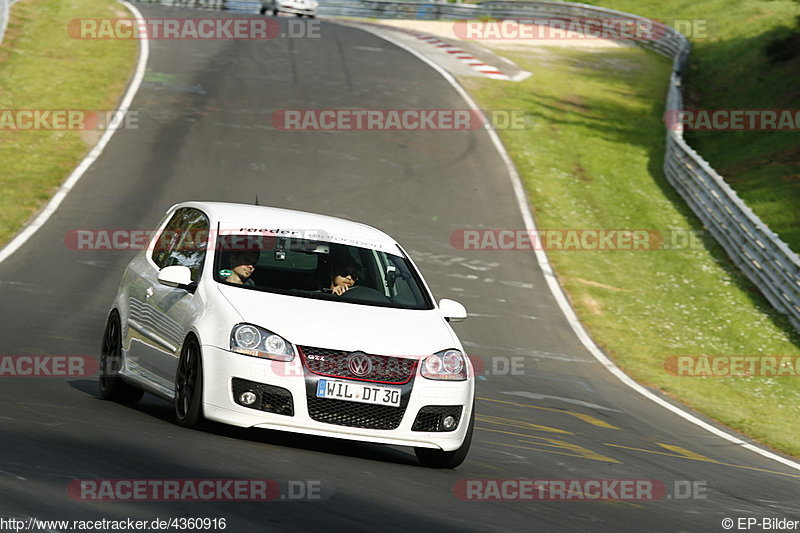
359,365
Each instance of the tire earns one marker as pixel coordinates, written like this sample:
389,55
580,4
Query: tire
441,459
274,12
112,387
263,11
189,386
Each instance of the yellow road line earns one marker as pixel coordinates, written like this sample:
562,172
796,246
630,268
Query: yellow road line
578,449
593,421
519,424
575,449
538,449
686,453
580,416
680,456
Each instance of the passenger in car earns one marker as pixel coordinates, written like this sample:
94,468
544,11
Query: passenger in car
242,266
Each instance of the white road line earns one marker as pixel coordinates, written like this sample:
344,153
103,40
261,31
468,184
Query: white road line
555,288
51,207
12,474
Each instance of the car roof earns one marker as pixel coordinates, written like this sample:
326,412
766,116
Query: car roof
263,220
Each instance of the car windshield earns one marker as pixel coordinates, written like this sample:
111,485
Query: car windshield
314,268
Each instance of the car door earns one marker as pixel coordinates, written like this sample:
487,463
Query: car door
162,314
144,344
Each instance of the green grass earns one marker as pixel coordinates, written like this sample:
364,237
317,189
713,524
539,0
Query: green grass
591,157
41,67
729,69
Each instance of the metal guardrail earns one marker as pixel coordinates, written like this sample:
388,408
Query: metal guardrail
753,247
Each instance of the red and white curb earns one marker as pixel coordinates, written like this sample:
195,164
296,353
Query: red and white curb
473,62
476,64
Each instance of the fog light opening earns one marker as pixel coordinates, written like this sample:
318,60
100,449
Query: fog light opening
248,398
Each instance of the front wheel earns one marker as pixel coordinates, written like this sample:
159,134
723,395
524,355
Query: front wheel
189,386
263,11
441,459
112,387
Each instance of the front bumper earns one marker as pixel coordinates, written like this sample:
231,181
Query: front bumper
220,367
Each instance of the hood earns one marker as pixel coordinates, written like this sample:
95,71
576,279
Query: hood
344,326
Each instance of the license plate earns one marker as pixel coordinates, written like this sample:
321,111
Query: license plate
358,392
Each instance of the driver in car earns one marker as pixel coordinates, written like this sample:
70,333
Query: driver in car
342,277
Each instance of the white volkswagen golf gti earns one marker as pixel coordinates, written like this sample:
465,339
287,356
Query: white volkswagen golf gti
270,318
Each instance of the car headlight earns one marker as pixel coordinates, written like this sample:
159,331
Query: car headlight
254,341
445,365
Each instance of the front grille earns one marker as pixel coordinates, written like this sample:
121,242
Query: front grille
269,398
430,417
354,414
379,368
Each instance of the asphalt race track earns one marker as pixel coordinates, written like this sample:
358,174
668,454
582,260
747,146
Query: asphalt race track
205,134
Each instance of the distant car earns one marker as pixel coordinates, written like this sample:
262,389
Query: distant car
297,7
280,350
